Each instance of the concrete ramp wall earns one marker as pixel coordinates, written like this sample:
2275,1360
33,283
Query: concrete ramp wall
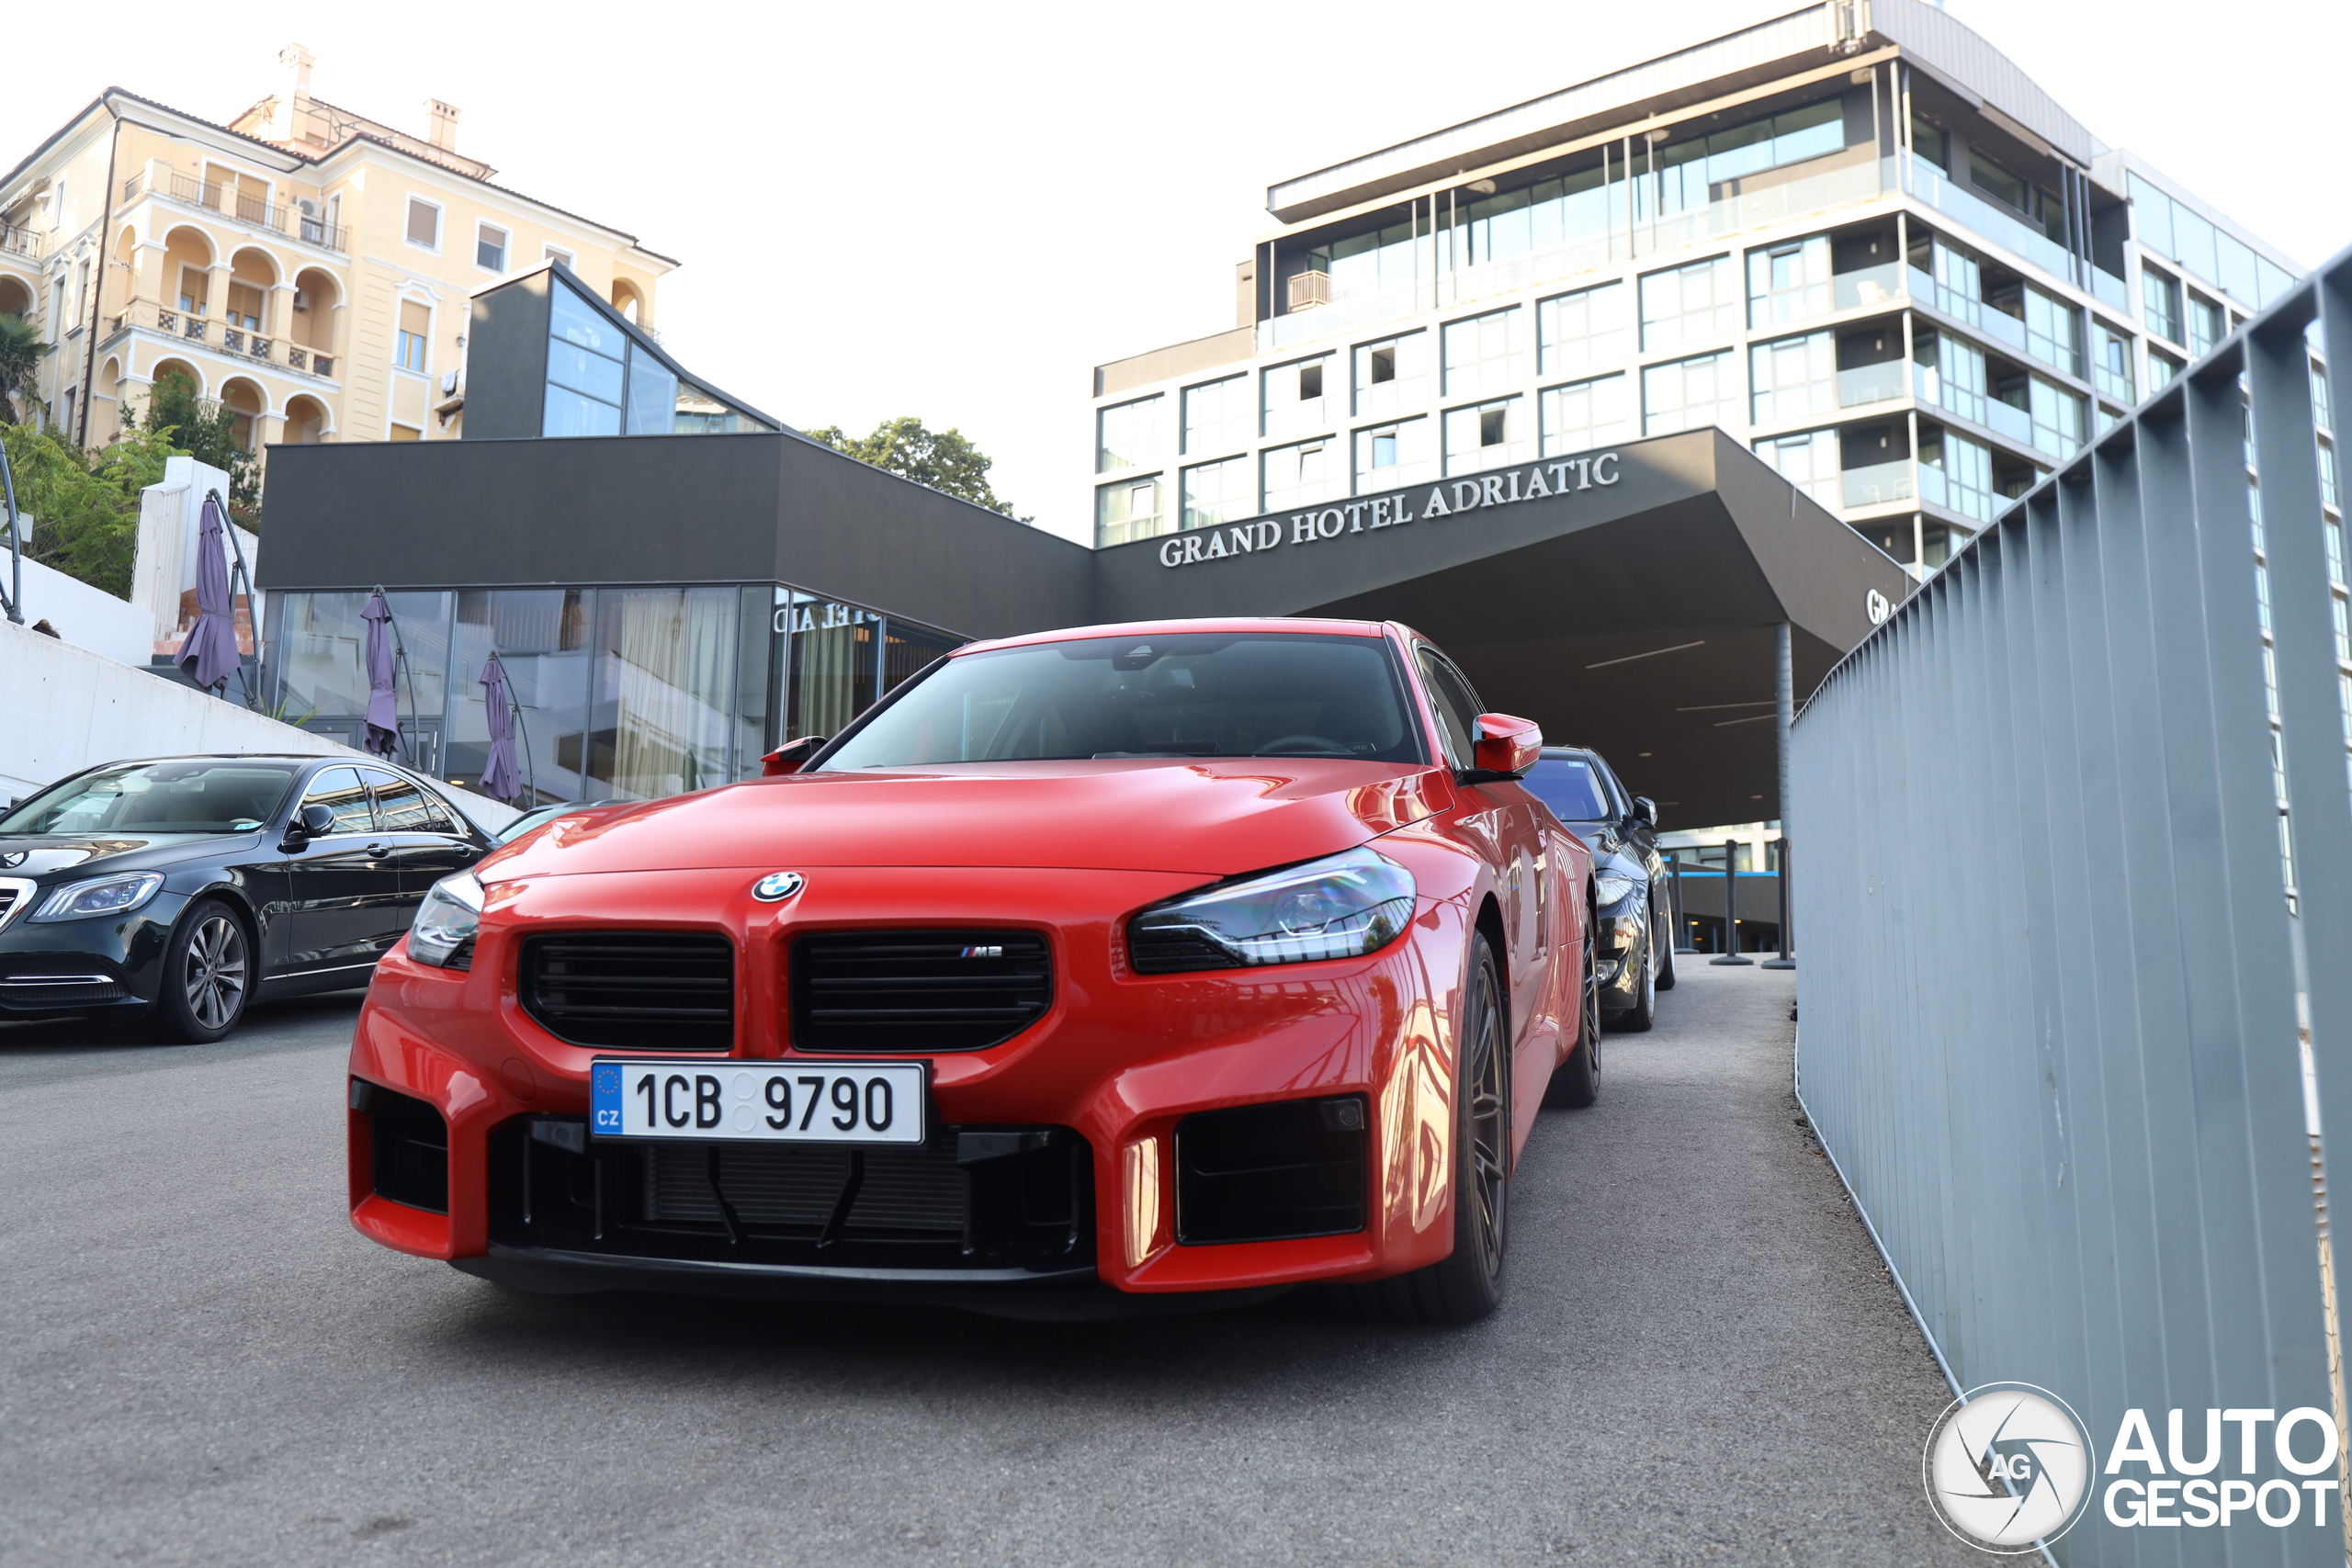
64,708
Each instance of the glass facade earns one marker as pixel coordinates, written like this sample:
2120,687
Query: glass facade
1218,417
1485,353
1789,282
1793,379
1690,394
602,381
1585,415
617,692
1219,492
1581,330
1127,435
1690,305
1807,460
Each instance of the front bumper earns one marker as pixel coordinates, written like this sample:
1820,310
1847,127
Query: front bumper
1107,1078
1621,939
103,967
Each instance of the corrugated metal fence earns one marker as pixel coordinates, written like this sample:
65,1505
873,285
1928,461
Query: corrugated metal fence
2077,869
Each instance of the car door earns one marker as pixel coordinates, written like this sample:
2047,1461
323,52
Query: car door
343,886
1501,818
427,845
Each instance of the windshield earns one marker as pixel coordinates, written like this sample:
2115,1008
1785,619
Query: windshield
227,795
1197,694
1568,786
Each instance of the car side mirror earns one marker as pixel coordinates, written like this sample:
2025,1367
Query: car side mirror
1645,811
1507,748
790,757
313,821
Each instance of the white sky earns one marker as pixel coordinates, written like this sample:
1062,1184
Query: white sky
957,211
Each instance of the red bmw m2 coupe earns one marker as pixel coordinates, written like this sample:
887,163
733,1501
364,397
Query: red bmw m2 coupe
1119,968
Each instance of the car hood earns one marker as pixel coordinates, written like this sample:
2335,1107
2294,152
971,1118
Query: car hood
32,855
1217,817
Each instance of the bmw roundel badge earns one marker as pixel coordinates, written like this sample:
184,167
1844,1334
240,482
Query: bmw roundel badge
777,885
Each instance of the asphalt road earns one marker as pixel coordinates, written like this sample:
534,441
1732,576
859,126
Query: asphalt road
1700,1361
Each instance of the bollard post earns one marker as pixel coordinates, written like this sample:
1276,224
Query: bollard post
1784,961
1731,954
1674,892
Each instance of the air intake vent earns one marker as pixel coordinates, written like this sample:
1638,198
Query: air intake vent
917,990
633,991
1270,1172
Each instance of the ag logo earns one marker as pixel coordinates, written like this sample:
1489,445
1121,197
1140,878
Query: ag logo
1875,602
2007,1465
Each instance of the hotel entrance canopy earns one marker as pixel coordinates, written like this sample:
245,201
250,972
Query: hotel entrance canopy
1624,598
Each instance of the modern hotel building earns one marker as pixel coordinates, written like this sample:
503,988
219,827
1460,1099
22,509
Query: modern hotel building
1855,237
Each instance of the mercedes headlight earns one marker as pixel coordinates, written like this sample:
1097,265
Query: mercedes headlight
100,895
1612,886
443,933
1340,907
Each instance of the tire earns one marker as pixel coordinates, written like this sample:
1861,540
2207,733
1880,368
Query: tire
1637,1018
207,975
1467,1285
1665,950
1575,1083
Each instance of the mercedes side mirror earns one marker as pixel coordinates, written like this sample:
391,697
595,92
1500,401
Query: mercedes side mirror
1507,748
313,821
1646,810
790,757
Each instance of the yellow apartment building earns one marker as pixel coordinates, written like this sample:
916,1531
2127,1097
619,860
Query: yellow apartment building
308,266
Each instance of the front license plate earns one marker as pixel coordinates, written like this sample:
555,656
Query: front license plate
774,1102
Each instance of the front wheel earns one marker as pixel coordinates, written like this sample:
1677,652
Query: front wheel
1575,1083
208,975
1663,919
1467,1285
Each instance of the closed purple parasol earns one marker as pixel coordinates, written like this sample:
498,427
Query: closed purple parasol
209,652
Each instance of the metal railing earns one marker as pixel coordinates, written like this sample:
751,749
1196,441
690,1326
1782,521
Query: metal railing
16,240
192,325
234,201
2076,1004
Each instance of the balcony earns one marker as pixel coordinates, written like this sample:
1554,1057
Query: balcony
1988,220
1869,383
1877,484
17,240
238,343
233,202
1868,286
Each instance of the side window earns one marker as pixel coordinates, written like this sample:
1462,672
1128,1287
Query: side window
399,804
437,818
340,791
1457,707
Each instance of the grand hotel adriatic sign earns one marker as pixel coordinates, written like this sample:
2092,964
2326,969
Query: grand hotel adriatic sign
1392,511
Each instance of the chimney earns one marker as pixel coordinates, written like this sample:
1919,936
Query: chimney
289,111
444,133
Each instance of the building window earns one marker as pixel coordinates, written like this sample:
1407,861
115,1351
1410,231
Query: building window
1874,466
1789,282
1807,460
1690,305
2160,303
2053,331
245,307
2058,421
423,223
409,343
1393,454
1484,354
1956,472
1293,398
1793,379
2111,371
1681,176
1950,372
1584,414
1218,493
1303,474
1690,394
489,247
1487,436
1997,182
1127,510
1393,374
2162,368
1928,144
586,372
1217,416
556,253
1581,330
2207,325
1127,435
1946,277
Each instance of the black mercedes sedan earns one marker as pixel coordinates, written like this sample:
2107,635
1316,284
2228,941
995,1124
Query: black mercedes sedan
175,891
1636,937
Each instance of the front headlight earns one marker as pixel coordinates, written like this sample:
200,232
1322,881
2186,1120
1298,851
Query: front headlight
1340,907
1613,887
443,933
100,895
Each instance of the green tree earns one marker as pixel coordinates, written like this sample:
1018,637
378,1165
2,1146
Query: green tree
943,459
85,505
21,351
205,430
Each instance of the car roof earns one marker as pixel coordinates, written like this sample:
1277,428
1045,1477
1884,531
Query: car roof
1295,624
